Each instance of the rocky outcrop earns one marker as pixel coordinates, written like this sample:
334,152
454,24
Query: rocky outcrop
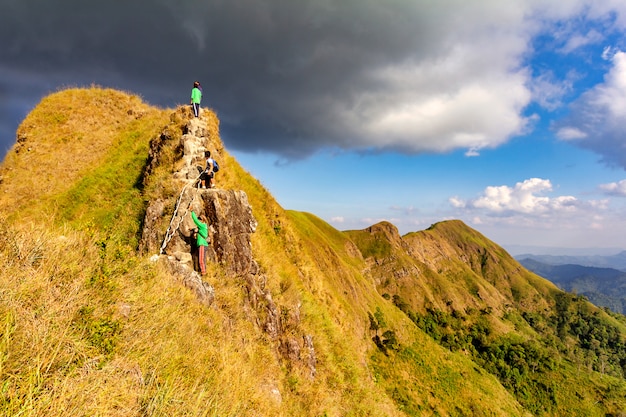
281,324
230,216
231,224
388,232
190,279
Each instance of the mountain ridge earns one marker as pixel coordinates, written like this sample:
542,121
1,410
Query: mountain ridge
436,322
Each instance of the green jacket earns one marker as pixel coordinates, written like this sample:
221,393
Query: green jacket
196,95
203,231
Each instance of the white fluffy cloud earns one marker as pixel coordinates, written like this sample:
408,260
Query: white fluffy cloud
582,39
528,211
527,197
570,133
615,188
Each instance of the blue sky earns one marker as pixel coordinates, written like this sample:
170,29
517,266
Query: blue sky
507,115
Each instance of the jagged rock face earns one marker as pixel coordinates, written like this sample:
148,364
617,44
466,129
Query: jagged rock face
230,222
192,280
151,234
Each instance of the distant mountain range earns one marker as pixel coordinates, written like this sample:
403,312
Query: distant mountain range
605,287
517,250
617,261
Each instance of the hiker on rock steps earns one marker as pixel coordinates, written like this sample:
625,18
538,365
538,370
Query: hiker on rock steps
202,235
209,171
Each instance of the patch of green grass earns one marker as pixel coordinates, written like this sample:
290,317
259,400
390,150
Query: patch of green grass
370,245
109,195
101,332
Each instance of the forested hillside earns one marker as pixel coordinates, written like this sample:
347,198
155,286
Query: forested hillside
604,287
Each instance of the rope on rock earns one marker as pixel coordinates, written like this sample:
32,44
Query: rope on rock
169,234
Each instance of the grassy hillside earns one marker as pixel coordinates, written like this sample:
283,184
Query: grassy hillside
470,296
439,322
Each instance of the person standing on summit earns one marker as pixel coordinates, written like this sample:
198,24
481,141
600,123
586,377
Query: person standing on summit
196,97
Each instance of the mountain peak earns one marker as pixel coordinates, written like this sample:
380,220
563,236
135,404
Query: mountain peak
388,230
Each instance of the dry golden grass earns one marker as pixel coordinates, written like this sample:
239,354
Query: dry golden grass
172,356
67,136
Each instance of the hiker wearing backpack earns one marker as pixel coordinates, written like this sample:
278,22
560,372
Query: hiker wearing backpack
209,171
196,97
202,234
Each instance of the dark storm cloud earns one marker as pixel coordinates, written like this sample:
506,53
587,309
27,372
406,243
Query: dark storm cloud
272,69
287,76
49,45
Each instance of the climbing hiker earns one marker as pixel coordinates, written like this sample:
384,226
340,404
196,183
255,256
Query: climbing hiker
196,97
209,171
201,239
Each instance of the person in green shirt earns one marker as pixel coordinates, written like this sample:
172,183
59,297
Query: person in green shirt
201,239
196,97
